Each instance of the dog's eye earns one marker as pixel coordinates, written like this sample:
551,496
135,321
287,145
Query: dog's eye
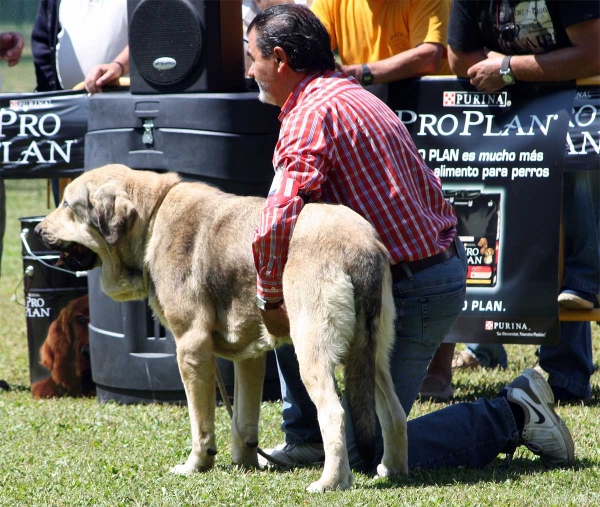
65,204
81,319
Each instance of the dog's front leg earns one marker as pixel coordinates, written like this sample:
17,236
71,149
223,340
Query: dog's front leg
197,367
249,378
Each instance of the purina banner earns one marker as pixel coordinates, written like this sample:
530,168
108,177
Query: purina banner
42,134
583,137
500,158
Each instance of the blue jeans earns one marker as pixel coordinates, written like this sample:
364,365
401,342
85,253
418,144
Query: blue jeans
469,434
570,363
489,355
581,225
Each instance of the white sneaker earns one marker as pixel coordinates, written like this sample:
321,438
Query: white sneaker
294,455
545,433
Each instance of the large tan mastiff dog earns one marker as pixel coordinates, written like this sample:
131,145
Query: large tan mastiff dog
187,248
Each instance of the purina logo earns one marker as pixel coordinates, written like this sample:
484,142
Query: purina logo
476,99
491,325
26,105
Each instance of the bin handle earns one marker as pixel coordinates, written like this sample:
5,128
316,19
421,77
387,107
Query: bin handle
39,258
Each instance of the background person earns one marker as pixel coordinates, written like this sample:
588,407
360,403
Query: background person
494,43
75,41
71,42
379,41
338,143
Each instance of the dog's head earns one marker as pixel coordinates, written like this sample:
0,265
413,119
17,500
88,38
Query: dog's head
102,221
65,352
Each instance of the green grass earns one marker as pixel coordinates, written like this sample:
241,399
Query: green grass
71,452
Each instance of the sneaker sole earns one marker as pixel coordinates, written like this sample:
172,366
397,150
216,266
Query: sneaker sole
545,394
575,303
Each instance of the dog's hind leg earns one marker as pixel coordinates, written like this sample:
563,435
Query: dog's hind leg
389,410
318,377
197,368
249,377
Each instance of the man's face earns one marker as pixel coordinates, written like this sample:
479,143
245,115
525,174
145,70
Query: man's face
263,70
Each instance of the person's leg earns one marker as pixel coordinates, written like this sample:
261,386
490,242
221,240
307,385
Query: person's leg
299,423
569,364
581,225
427,307
463,434
489,355
437,384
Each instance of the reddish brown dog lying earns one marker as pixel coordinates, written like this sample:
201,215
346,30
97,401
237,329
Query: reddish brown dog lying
64,354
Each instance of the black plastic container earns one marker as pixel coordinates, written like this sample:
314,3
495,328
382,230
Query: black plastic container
47,292
224,139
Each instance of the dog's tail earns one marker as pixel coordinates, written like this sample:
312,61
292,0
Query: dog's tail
374,318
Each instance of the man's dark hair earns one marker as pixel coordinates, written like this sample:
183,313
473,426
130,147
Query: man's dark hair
296,30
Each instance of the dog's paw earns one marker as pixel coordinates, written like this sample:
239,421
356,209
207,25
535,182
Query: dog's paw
324,484
384,471
182,469
194,464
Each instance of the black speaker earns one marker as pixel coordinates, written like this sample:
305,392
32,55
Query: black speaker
179,46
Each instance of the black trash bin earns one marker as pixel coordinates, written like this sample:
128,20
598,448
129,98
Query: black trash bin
47,291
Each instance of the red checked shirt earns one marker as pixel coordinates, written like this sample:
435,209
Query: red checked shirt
340,144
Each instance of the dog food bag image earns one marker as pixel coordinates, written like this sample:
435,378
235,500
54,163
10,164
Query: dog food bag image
479,229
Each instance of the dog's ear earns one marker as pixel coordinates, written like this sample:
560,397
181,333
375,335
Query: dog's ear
112,213
57,352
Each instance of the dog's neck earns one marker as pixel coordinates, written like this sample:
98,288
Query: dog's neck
150,228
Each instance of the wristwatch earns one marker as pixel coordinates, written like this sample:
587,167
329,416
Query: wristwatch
506,72
367,77
267,305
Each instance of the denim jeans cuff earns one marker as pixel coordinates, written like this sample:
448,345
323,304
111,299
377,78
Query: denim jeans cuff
578,283
513,442
580,390
300,441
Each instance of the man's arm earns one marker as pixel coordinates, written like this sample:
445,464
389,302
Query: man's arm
296,178
461,61
42,47
105,73
427,22
420,61
580,60
301,170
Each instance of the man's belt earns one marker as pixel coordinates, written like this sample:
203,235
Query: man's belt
405,269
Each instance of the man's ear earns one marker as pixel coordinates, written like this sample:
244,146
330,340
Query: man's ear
280,56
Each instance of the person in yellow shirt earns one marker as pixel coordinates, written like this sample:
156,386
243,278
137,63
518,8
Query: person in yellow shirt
381,40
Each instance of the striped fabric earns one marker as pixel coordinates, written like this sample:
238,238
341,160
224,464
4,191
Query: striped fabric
340,144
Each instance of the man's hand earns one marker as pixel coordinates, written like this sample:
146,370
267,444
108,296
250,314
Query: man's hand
11,47
101,75
485,75
276,321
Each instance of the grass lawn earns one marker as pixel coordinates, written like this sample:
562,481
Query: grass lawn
71,452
